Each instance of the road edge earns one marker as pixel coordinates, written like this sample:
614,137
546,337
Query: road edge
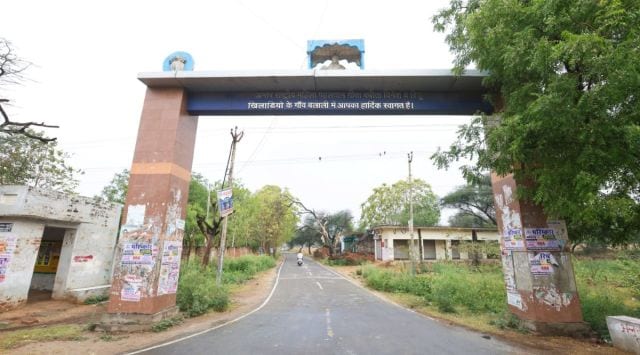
264,303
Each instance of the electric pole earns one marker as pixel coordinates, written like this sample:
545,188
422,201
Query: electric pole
223,235
412,247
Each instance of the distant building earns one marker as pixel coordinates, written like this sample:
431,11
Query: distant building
54,244
434,243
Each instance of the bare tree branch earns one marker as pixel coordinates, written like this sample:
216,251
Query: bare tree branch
11,72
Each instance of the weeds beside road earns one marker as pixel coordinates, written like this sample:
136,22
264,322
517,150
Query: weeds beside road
607,286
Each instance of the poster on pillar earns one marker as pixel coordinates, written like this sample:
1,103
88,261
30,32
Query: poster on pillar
131,288
170,267
541,239
225,202
7,249
512,239
542,263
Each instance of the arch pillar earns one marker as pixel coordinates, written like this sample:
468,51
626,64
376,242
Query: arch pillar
148,254
538,273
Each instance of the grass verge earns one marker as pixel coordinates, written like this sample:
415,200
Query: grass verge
198,292
56,332
445,289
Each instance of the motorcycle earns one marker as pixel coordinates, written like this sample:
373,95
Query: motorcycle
299,262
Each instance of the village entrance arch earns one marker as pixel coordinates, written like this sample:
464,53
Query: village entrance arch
538,274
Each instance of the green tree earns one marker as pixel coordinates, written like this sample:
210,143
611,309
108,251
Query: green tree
31,162
307,234
565,77
116,190
389,205
275,218
475,204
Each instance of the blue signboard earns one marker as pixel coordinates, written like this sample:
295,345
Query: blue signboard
337,103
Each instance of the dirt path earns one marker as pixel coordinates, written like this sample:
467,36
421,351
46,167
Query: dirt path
545,344
244,299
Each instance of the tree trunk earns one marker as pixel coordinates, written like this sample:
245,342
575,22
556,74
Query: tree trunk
207,252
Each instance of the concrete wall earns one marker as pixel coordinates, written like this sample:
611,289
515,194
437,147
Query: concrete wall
625,333
21,245
442,236
87,247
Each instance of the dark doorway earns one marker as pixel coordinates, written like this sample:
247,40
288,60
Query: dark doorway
429,249
44,271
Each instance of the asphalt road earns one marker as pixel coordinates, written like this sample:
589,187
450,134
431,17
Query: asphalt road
316,311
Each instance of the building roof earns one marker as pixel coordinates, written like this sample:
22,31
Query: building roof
447,228
427,80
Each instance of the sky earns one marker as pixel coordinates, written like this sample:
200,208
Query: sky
86,56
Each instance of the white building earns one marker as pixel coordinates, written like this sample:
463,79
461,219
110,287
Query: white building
54,242
434,243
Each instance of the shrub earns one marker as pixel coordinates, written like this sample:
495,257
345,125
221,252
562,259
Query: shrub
166,323
596,306
197,291
96,299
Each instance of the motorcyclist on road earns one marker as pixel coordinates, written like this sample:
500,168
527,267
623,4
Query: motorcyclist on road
299,257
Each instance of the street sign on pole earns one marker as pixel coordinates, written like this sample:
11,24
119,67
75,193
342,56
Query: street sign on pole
225,202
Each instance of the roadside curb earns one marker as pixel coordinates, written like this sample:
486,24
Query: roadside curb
264,303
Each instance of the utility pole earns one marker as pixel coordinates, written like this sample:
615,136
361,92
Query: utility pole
412,247
223,235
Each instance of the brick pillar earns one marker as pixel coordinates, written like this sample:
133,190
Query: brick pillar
539,278
149,249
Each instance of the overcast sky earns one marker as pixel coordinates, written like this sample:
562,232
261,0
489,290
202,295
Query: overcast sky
87,55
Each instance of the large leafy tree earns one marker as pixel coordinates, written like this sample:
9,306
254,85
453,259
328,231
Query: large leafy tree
27,161
474,203
389,205
307,234
327,226
565,77
275,218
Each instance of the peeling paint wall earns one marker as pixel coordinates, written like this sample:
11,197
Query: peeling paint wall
17,278
87,248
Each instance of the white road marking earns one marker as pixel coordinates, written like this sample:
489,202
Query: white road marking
218,326
329,330
375,294
317,283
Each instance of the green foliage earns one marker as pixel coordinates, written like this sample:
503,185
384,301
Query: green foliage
447,286
166,324
26,161
608,287
116,190
96,299
307,234
60,332
475,204
274,219
566,74
197,291
239,270
389,205
507,320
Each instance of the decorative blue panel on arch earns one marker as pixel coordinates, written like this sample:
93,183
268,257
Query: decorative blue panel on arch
337,103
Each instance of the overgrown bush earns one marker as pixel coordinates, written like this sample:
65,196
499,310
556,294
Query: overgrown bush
445,285
197,290
239,270
96,299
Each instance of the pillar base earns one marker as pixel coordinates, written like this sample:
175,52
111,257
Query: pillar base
132,322
573,330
